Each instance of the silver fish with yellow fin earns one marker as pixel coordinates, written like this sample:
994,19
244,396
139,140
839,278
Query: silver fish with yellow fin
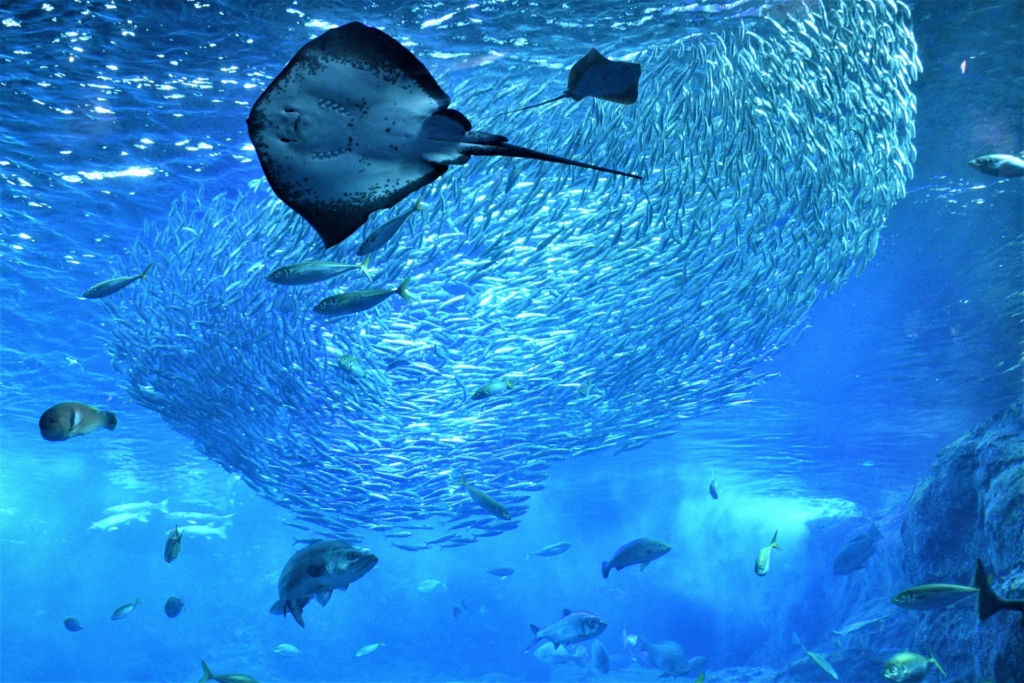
308,272
124,610
224,678
765,555
351,365
485,501
909,667
932,596
361,300
493,387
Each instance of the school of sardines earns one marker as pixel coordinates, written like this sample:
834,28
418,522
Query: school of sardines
517,312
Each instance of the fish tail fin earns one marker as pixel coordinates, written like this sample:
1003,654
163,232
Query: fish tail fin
535,640
540,104
145,271
162,507
528,555
403,290
773,543
988,602
207,674
605,569
700,679
931,658
110,421
296,610
138,601
364,268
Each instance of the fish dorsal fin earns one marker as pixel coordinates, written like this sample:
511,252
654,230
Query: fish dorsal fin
566,612
534,628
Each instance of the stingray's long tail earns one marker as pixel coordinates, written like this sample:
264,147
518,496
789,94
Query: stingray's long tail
540,104
504,149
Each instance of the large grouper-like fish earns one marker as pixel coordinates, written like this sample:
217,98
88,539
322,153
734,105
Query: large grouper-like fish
316,571
355,123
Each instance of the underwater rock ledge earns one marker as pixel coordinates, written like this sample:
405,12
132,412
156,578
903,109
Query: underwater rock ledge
972,506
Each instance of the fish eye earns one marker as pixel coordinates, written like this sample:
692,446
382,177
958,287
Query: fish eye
352,555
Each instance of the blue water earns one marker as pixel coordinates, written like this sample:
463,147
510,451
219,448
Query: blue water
114,111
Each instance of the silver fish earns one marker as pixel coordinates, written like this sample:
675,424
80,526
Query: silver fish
112,286
367,649
382,235
550,550
486,501
765,555
932,596
909,667
493,387
361,300
817,659
308,272
351,365
573,627
124,610
1000,165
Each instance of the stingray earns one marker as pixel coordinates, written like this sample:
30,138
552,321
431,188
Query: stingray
355,123
597,76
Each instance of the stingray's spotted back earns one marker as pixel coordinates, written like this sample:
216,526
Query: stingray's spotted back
334,130
355,123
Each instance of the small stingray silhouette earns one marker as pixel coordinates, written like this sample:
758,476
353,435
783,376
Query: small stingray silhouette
597,76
